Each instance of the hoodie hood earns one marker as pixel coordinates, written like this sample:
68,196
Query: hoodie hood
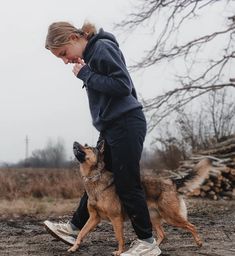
100,35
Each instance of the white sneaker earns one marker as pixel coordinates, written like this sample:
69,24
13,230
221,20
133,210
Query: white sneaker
62,231
140,247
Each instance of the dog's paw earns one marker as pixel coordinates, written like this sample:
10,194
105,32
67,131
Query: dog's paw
199,243
73,248
117,253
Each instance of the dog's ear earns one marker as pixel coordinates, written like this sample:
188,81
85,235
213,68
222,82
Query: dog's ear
100,146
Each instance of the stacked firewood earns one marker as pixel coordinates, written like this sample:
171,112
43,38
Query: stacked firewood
221,179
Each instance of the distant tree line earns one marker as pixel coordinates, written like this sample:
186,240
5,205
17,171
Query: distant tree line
53,155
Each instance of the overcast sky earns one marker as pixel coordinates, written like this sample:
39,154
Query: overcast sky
39,95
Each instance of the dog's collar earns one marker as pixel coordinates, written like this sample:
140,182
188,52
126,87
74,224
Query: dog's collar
97,176
92,178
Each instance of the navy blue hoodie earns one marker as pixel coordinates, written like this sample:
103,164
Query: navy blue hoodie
110,89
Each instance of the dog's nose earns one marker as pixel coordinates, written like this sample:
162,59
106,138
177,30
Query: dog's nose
79,154
75,144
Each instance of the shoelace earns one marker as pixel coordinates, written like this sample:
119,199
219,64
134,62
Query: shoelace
62,225
134,244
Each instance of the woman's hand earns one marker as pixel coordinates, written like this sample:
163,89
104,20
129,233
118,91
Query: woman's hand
77,67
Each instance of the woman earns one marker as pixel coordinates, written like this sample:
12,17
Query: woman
116,114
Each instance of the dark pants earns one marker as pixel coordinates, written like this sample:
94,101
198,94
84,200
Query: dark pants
123,147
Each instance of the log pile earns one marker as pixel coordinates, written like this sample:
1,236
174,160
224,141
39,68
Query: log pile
221,180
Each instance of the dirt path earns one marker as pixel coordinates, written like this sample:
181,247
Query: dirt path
215,222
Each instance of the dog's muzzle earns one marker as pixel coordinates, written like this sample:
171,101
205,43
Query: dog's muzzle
78,152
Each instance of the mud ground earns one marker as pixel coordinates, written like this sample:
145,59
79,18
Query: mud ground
215,221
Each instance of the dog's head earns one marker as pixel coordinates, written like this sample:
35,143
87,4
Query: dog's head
88,155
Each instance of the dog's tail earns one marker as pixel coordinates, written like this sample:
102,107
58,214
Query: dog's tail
195,178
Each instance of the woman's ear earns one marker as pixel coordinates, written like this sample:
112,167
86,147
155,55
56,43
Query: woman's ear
73,37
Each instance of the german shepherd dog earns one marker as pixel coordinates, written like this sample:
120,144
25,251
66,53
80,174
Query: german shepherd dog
164,203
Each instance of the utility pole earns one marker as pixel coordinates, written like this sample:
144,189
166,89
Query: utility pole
26,148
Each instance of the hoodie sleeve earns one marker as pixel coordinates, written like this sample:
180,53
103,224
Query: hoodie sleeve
111,77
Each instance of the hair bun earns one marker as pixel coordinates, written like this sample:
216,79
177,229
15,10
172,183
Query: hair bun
89,29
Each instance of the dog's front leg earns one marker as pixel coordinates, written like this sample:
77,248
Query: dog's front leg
92,222
117,223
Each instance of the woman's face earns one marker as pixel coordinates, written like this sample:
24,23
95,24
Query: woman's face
70,52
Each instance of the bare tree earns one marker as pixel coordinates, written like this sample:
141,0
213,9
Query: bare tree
221,110
207,58
167,157
197,129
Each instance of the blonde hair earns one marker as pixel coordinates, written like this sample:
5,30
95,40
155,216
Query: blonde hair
59,33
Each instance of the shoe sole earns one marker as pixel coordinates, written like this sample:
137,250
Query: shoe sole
61,236
152,252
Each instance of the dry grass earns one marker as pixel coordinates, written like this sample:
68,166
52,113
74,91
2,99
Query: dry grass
40,183
47,192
